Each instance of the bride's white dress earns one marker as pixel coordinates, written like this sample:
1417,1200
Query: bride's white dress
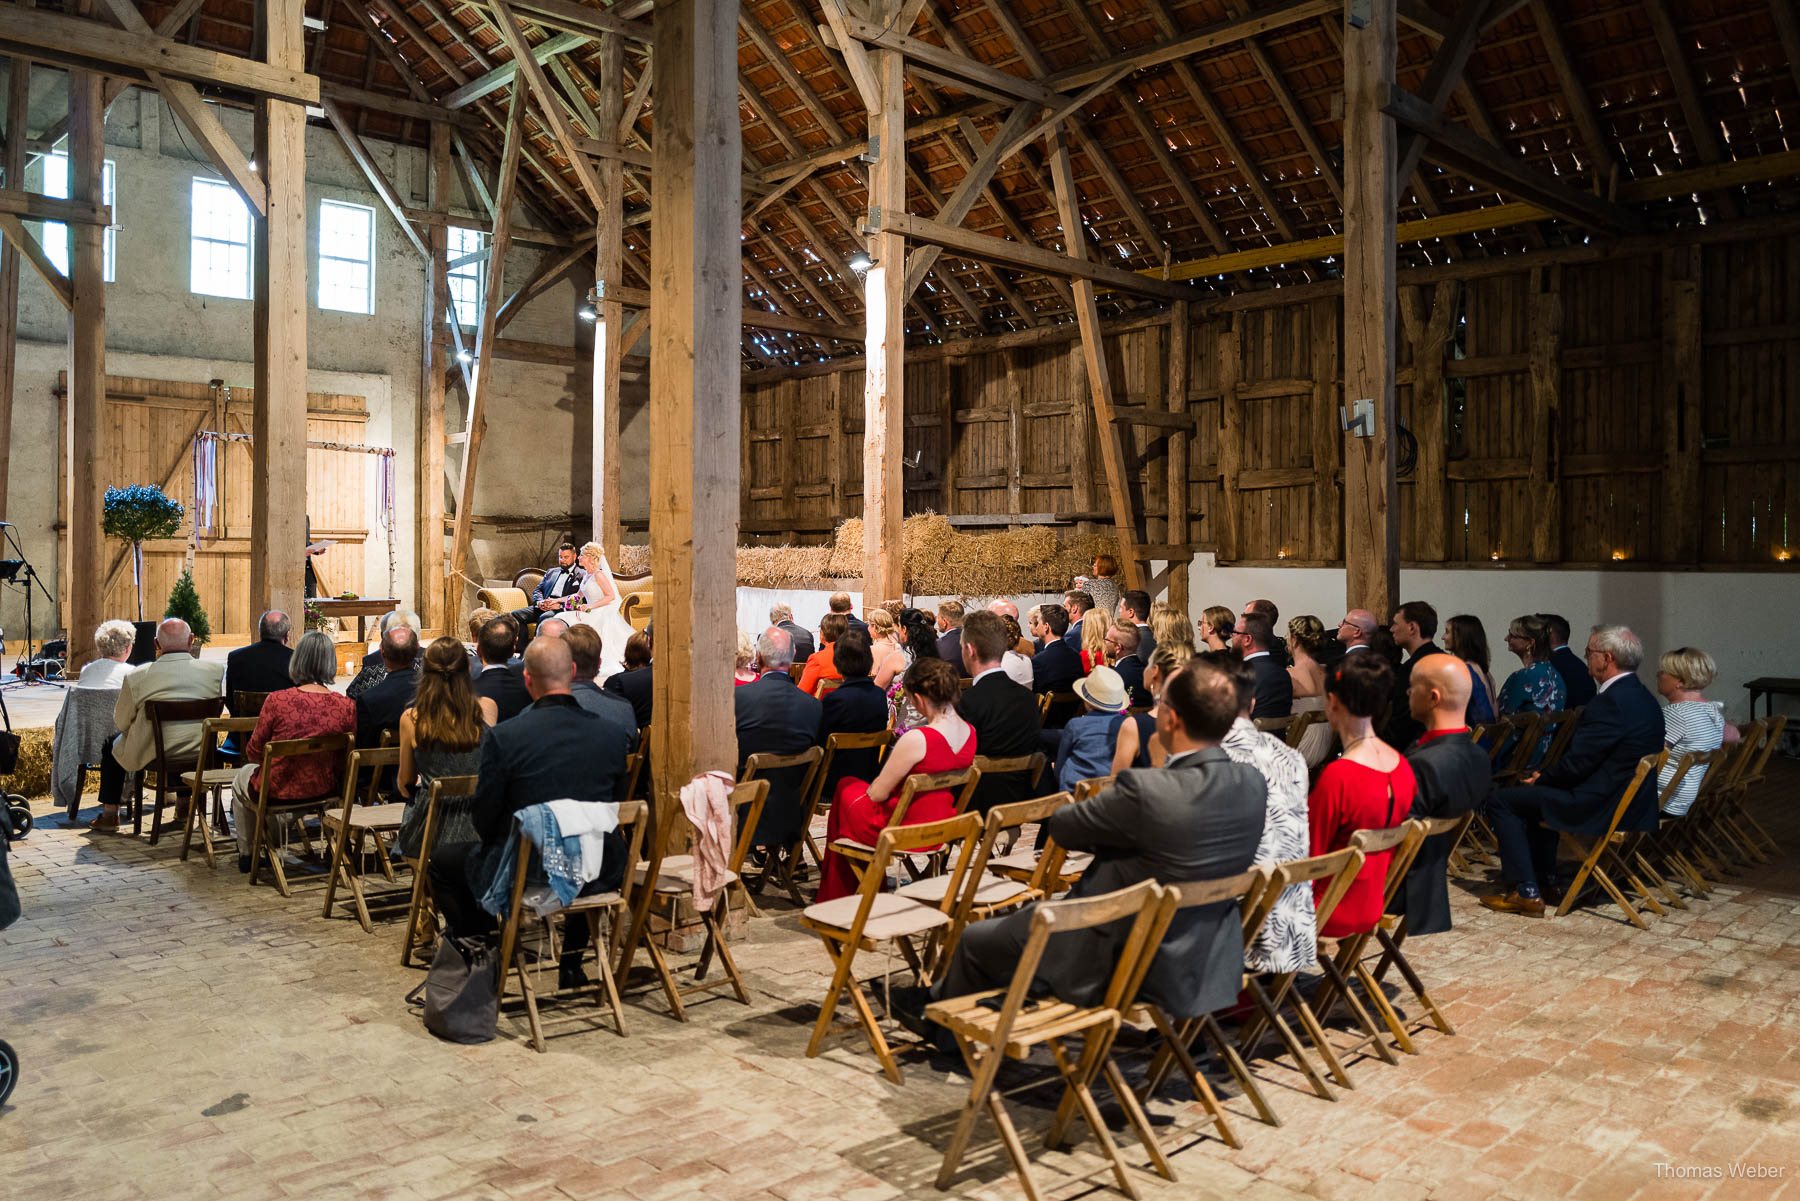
613,629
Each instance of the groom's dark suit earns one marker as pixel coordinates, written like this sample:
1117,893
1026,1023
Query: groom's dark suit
558,583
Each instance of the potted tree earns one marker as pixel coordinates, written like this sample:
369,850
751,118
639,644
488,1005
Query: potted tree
184,602
137,514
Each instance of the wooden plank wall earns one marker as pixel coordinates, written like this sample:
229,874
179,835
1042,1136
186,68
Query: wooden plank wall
1642,409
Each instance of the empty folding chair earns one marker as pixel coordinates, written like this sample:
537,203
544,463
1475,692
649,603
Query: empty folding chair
351,824
210,787
1391,933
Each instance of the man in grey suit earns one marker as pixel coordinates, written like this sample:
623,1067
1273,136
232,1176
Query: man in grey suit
1199,817
782,618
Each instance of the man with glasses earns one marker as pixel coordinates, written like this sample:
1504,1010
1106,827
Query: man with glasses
1253,640
1355,630
1121,648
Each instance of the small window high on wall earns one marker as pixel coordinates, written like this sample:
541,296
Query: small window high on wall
56,234
466,281
346,257
219,252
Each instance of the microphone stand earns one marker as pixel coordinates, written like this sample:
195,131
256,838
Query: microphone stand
25,672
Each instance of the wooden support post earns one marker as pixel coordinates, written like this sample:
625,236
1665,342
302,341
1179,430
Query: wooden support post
952,397
278,424
18,101
86,429
1153,378
834,446
434,370
499,244
1327,432
1545,382
1228,520
1681,393
1180,331
609,322
696,296
1081,438
1093,353
1371,534
1428,333
1015,439
884,291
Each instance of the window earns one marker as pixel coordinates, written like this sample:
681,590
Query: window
466,281
56,234
219,252
346,257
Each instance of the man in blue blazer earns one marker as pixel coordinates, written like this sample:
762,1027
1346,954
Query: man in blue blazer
1578,793
774,715
1057,666
554,593
1578,684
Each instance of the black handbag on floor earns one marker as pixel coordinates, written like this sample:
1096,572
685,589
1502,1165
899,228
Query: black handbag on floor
462,991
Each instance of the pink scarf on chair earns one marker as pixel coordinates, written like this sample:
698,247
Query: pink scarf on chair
707,802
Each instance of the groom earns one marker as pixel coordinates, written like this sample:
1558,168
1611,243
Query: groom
558,590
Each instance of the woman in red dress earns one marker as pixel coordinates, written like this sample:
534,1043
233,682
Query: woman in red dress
944,743
1370,787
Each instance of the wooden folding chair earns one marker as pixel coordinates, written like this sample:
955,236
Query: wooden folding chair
1562,724
1339,868
211,783
421,913
247,704
860,854
1659,855
267,806
879,741
1721,845
988,1036
674,876
352,824
826,685
871,917
1302,722
760,765
586,908
1062,707
1277,726
1033,763
1733,813
1043,707
169,769
1177,1036
1512,755
634,772
1612,850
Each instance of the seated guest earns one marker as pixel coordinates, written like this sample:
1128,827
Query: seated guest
1578,682
1170,625
1277,645
555,750
634,682
1466,638
1453,778
1058,665
373,672
918,639
1690,721
1217,626
1093,643
1134,606
1289,937
1017,666
499,690
113,641
1369,787
584,648
1078,604
263,665
1414,624
854,707
1022,645
1578,793
310,709
821,664
1535,687
1003,711
840,602
1122,649
949,628
1085,748
379,709
1254,642
552,627
943,742
744,666
560,589
1356,631
890,656
1135,743
477,620
1103,585
175,676
782,618
1200,818
774,716
1306,664
440,736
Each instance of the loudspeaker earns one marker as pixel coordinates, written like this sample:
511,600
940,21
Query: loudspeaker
143,650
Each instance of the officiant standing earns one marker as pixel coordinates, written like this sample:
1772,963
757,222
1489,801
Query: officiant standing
558,590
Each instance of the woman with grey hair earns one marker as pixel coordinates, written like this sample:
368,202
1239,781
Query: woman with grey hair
310,709
113,642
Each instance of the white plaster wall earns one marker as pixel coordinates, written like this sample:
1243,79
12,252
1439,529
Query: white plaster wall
1744,620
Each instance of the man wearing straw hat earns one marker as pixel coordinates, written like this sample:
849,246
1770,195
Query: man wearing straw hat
1085,749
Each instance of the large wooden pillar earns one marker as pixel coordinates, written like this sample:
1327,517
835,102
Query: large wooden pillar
1371,534
696,292
884,378
278,451
85,434
434,370
18,100
1180,443
609,323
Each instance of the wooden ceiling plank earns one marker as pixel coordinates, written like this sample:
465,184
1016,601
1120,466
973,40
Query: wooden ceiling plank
1033,258
1693,109
1297,119
570,17
765,45
1212,37
955,209
1581,108
856,59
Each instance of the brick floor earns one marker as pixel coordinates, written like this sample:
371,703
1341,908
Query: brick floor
184,1036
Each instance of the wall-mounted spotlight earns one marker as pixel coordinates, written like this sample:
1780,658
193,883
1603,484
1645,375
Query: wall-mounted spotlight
463,356
861,262
588,310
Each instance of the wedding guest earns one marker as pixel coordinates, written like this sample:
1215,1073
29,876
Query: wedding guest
634,682
840,602
822,663
1306,669
1453,779
949,628
884,646
781,616
1217,624
263,665
1135,743
1057,666
854,707
113,641
477,620
1093,644
373,670
1021,644
585,649
1466,638
918,635
1414,625
440,736
1078,604
1122,649
1277,644
1253,641
774,716
1578,682
1016,663
1085,749
379,709
1169,625
1690,721
1103,585
1003,711
176,675
1134,606
1536,687
500,691
745,670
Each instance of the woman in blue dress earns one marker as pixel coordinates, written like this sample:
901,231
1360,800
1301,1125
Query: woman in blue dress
1537,687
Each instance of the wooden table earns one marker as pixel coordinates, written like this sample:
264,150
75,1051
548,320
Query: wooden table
362,608
1772,686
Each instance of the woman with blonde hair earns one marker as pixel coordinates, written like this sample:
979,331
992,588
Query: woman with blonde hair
884,645
1690,721
1093,644
440,736
745,672
1169,626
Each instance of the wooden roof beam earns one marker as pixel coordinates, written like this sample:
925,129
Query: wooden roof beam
765,45
570,17
1693,111
506,72
1211,37
1284,98
1442,76
531,75
1581,109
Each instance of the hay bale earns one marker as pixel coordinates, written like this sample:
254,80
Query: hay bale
633,560
780,566
942,560
32,777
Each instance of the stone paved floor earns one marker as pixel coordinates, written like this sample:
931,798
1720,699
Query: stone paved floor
186,1037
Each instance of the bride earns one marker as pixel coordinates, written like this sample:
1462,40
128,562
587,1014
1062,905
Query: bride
599,608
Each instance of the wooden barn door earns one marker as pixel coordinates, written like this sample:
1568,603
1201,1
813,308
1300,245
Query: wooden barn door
151,426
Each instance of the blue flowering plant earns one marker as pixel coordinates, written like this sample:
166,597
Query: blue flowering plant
137,514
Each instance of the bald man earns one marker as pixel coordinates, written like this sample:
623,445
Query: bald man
553,750
1453,779
175,676
1356,629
